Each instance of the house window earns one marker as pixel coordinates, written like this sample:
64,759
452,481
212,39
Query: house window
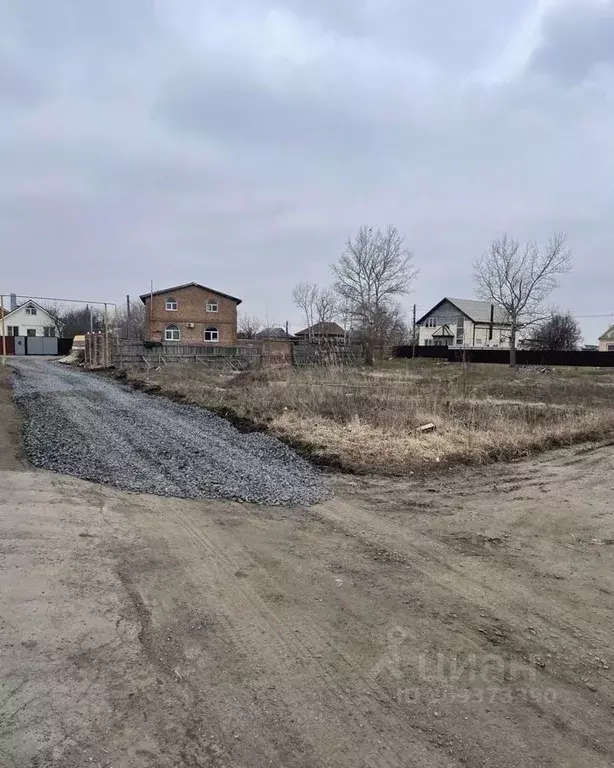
428,342
31,331
172,333
13,330
460,330
171,304
49,330
610,347
211,305
431,322
212,334
30,311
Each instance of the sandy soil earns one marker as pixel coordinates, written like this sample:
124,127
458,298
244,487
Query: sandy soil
461,620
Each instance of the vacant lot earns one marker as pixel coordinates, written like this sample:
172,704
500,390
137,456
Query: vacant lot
366,420
451,620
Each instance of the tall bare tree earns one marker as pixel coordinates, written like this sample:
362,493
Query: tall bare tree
249,326
325,304
304,298
133,327
520,277
375,269
559,332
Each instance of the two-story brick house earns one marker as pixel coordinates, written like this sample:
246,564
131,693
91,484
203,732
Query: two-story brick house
192,314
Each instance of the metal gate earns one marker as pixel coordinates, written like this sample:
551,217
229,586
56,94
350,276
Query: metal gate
20,345
41,345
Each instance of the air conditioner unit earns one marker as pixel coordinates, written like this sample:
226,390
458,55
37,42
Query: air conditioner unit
189,325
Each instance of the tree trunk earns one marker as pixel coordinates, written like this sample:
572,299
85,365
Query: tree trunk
369,352
513,346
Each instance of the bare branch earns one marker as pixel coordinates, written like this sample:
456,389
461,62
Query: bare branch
325,303
374,269
304,297
249,326
559,332
520,278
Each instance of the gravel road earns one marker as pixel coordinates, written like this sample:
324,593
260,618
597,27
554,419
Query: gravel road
84,425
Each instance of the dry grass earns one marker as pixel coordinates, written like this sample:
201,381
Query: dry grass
366,420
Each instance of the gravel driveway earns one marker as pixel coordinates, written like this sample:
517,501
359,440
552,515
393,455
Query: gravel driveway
81,424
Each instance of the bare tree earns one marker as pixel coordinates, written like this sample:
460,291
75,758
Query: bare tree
134,327
373,271
325,304
56,311
81,320
519,277
304,298
249,326
560,332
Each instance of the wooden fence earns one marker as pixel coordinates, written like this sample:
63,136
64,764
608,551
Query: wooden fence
129,353
106,351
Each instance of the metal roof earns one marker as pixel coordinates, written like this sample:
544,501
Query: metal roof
608,335
323,329
478,311
144,296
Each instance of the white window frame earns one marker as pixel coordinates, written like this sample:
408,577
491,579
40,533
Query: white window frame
212,305
431,322
31,311
49,331
211,330
172,301
172,329
610,348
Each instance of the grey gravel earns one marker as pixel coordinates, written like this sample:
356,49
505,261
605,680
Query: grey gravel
84,425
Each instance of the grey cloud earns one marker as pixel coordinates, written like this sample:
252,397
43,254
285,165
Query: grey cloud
239,111
577,38
19,88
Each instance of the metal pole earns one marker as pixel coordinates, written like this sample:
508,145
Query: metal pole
413,341
91,321
3,329
128,323
106,336
150,311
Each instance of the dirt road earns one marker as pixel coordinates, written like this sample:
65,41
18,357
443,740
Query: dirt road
461,620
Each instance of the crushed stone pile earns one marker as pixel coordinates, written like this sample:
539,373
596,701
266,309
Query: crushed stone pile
81,424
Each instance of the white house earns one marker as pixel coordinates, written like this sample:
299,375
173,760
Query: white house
30,319
464,323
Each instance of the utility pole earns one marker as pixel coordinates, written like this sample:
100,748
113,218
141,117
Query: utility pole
413,340
287,334
128,323
106,336
150,315
3,329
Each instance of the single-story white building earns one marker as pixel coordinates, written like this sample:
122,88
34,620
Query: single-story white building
30,319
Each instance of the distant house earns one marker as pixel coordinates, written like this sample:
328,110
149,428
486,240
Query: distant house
193,314
274,334
606,342
464,323
30,319
323,333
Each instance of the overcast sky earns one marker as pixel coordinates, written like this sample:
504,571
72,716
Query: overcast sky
239,143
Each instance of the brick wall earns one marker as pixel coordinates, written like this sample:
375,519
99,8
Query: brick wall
191,308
